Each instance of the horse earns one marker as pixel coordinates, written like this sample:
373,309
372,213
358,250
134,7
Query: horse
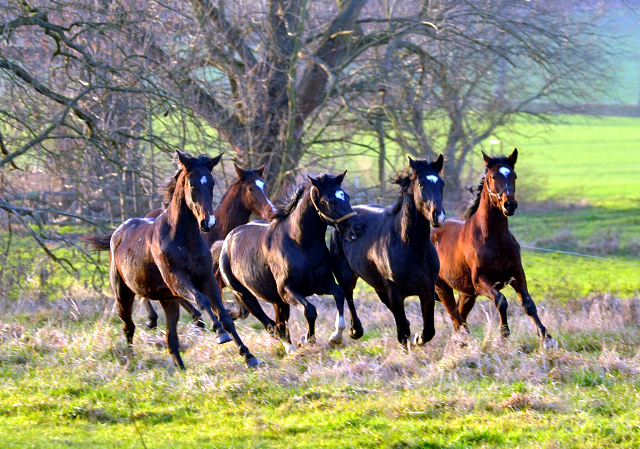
479,255
395,255
167,258
245,196
287,259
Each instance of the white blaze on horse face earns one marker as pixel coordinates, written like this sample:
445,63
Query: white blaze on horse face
441,217
203,180
212,221
340,194
432,178
505,171
260,184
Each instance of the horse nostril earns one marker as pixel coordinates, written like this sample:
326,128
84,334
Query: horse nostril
204,225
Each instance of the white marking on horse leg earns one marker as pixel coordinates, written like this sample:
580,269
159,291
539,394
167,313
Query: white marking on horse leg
203,180
432,178
336,337
288,347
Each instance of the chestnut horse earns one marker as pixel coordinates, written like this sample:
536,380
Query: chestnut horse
285,260
167,258
244,197
395,255
480,256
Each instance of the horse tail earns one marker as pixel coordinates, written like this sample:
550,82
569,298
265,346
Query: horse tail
98,242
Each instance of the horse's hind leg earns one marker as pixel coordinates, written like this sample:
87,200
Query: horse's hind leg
172,313
124,300
465,304
151,313
445,294
520,286
309,310
283,311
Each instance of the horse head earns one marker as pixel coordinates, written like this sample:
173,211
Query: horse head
500,181
333,206
197,183
254,196
426,186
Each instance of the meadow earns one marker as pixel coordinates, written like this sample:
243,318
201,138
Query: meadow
68,379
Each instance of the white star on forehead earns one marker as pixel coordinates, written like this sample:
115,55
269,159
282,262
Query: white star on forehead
505,171
260,184
203,180
340,194
432,178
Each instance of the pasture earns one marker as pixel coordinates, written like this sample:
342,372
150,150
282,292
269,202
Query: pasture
68,379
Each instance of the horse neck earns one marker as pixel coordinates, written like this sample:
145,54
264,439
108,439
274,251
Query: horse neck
230,213
180,218
412,226
306,227
489,218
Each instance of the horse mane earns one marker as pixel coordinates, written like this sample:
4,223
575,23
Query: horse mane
170,188
289,200
403,180
472,206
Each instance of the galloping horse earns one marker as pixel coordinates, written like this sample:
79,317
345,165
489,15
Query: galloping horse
167,258
395,255
479,256
285,260
245,196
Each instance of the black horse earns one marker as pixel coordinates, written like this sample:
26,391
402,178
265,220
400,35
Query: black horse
396,256
167,258
287,259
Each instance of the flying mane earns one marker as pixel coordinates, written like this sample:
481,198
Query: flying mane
403,180
472,206
288,205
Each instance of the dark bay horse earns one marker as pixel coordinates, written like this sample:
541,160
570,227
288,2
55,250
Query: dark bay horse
167,258
245,196
287,259
480,256
395,255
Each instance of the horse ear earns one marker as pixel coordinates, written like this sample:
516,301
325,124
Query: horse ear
184,160
437,165
260,170
340,177
412,163
487,159
314,181
239,171
213,161
513,157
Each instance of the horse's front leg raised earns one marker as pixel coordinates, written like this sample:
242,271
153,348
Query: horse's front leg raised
520,286
488,289
294,298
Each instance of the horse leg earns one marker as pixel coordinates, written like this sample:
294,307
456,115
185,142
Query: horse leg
242,311
283,311
193,311
346,279
245,297
396,304
520,286
151,313
465,304
445,294
488,289
427,306
172,313
212,291
309,310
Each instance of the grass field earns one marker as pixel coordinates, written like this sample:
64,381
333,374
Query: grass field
68,379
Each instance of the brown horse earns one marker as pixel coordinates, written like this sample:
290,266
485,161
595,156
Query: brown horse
167,258
480,256
287,259
245,196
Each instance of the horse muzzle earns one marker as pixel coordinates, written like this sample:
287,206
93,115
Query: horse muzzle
355,228
509,208
437,217
208,225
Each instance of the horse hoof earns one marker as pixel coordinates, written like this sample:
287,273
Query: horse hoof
549,343
253,362
289,348
335,340
152,325
307,340
223,338
505,331
356,333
